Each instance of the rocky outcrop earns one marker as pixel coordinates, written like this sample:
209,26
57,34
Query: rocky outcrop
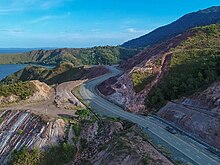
128,149
209,98
95,136
19,128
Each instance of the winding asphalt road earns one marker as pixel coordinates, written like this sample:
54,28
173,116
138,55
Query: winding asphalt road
195,153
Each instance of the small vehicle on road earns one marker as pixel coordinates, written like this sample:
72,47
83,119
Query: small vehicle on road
171,130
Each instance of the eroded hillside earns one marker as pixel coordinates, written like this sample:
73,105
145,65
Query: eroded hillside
175,68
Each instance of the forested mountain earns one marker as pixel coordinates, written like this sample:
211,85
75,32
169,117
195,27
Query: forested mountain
195,19
77,56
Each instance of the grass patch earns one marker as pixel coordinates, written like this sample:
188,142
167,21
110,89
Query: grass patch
1,119
141,79
20,132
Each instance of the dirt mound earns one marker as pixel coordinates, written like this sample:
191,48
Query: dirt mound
42,91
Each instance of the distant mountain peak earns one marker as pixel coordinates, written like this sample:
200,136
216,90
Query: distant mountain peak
200,18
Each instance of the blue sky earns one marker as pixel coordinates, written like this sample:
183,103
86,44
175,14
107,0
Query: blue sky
86,23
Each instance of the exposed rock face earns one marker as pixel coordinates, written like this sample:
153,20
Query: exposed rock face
119,152
112,143
210,97
52,134
96,135
90,131
201,123
19,128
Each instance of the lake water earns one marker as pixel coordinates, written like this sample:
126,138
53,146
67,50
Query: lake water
8,69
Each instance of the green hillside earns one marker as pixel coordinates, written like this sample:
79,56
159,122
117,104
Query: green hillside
61,73
21,89
194,65
86,56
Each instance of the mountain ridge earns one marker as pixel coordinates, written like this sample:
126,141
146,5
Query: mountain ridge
78,56
200,18
172,65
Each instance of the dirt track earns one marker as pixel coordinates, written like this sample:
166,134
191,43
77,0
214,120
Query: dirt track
48,107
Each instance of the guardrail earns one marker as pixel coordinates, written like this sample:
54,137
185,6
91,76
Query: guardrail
209,147
198,109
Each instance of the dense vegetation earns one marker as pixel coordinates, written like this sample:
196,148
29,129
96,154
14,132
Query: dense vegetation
21,89
194,65
87,56
140,79
56,155
15,58
200,18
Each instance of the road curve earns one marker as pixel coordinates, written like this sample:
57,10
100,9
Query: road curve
195,154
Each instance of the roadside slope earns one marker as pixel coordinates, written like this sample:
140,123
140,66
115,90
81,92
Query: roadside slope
167,71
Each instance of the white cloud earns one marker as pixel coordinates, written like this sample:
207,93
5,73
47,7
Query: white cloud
137,31
7,11
12,6
48,17
41,19
132,30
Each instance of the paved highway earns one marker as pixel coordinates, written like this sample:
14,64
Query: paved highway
192,152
